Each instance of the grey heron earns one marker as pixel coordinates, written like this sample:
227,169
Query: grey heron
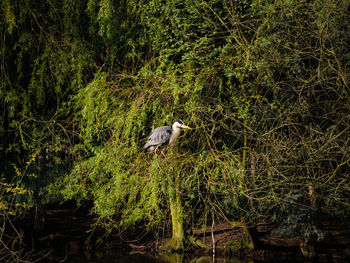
164,136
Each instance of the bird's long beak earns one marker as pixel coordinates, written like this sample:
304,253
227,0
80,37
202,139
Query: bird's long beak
185,127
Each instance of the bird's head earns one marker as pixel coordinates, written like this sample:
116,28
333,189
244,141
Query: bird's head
180,124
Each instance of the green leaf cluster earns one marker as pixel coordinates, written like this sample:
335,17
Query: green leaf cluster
263,83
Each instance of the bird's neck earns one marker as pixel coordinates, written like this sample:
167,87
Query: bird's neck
174,135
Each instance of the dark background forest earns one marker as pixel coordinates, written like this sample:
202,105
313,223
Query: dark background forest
263,83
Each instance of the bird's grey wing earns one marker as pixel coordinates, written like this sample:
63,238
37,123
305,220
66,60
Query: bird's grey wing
159,136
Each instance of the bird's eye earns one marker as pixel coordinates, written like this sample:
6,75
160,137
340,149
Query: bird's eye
180,121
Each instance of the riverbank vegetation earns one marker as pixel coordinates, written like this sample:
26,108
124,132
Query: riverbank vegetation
264,85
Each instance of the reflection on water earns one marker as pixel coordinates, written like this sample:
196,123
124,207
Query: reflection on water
115,259
183,258
142,258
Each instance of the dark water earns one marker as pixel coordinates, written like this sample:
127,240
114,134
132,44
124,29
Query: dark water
147,258
116,257
122,255
65,251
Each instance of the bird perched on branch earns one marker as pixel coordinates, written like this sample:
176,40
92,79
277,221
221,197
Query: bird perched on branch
164,136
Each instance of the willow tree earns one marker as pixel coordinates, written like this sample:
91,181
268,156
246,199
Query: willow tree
253,82
128,186
264,84
116,111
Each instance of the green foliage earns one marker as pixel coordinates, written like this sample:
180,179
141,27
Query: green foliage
43,63
263,83
15,197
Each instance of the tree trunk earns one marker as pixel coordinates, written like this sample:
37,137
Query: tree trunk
177,242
